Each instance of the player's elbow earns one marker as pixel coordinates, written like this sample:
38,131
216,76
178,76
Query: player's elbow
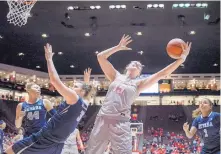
100,56
190,136
54,80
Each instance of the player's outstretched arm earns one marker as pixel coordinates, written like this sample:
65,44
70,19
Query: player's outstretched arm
70,95
149,81
106,66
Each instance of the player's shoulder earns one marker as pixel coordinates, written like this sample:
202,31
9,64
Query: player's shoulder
216,114
21,104
197,119
82,101
45,101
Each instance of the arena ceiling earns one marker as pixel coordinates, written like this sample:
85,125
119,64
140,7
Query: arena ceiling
66,32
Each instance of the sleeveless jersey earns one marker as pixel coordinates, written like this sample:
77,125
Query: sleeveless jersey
72,138
64,122
35,117
209,129
119,98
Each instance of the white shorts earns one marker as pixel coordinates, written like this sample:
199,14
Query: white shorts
117,132
70,149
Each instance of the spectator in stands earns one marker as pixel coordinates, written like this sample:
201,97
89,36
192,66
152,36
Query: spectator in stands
168,135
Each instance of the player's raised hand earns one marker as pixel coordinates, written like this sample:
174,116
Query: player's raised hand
186,126
48,52
125,40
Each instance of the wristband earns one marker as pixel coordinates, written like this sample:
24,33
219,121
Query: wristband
183,57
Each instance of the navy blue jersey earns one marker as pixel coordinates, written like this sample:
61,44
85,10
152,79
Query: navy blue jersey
50,139
209,129
1,140
35,117
66,120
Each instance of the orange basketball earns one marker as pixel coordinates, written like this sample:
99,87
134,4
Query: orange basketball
174,49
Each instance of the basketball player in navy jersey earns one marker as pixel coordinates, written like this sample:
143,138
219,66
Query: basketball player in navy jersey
50,139
207,123
2,127
33,112
113,120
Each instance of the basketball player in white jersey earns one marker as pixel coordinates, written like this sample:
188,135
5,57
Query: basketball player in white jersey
112,122
70,145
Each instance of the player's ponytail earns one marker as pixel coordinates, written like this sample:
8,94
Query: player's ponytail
89,91
29,85
196,113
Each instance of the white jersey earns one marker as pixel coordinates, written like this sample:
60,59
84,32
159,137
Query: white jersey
120,96
72,138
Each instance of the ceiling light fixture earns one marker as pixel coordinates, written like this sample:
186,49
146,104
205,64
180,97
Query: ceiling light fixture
70,8
181,5
92,7
161,5
139,33
111,6
71,66
21,54
192,32
198,4
175,5
38,66
215,64
60,53
44,35
149,5
87,34
182,65
117,6
204,4
140,52
98,7
123,6
187,5
155,5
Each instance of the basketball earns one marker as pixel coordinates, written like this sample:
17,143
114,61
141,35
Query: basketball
174,48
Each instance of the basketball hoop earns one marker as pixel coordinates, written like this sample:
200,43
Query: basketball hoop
19,11
134,131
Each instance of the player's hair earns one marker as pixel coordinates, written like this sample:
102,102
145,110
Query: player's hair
138,63
89,91
29,85
197,112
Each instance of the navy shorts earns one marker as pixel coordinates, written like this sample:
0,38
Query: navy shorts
37,144
215,150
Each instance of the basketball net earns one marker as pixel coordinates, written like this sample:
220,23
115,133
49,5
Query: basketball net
19,11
